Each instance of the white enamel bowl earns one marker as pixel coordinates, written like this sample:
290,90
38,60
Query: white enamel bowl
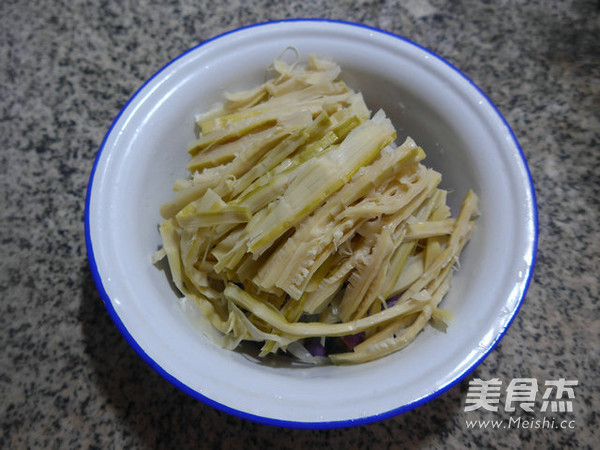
465,138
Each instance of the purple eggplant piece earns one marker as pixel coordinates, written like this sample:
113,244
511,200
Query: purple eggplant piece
352,340
315,347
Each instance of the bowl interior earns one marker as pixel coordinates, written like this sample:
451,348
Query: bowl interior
465,139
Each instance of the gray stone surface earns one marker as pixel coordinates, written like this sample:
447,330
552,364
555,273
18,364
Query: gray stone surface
68,379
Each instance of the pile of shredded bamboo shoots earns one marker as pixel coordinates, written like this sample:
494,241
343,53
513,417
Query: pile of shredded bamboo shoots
303,226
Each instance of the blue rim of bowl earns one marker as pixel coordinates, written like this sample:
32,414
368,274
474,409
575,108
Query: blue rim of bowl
286,423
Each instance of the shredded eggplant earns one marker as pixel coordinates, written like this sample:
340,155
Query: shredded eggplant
303,226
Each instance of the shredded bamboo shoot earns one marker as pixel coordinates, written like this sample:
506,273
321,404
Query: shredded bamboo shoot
303,220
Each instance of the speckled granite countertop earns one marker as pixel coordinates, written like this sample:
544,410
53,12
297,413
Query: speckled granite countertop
68,379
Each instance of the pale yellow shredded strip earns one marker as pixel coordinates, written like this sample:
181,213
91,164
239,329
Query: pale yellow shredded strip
301,216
